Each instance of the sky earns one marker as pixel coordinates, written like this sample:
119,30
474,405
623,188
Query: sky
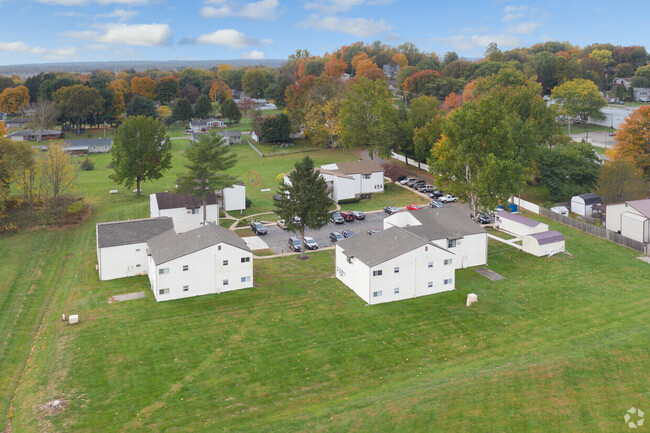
41,31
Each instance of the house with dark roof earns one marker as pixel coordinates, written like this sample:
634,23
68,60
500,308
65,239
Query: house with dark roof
544,243
448,228
229,137
583,204
88,145
207,260
16,123
122,245
203,125
351,179
31,135
518,225
631,219
393,265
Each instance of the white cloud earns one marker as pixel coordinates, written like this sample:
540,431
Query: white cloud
49,54
229,38
87,2
253,55
259,10
526,28
512,13
463,42
336,6
70,14
120,14
360,27
144,35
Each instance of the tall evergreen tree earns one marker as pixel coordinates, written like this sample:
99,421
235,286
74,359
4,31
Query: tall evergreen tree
230,111
182,110
208,159
203,107
305,197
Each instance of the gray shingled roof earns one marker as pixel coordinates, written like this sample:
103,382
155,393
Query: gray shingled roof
443,223
518,218
30,132
366,166
88,142
131,232
170,200
169,245
548,237
231,134
590,198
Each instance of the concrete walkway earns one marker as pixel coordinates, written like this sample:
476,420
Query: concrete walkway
510,242
234,225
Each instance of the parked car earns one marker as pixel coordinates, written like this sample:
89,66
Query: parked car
359,215
310,243
483,219
418,184
411,183
294,244
188,131
414,206
347,233
372,232
336,218
347,216
426,188
282,224
436,203
336,236
400,178
390,210
436,194
297,220
448,198
258,228
407,180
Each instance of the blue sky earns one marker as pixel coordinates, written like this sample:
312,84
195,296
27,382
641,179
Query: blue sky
35,31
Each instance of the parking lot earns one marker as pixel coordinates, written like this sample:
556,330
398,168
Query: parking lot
277,239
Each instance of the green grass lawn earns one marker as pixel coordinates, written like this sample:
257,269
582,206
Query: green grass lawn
559,345
578,128
393,195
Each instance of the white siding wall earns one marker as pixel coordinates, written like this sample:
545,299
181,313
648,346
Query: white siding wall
122,261
185,220
370,185
613,216
343,188
234,198
520,229
205,275
635,226
400,219
469,251
412,280
530,245
154,212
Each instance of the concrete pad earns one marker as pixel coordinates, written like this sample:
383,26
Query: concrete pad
255,243
645,259
266,190
490,274
125,297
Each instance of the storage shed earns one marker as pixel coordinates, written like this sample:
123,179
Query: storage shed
519,225
562,210
543,244
582,204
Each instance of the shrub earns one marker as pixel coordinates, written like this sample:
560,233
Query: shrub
87,165
249,202
349,201
76,207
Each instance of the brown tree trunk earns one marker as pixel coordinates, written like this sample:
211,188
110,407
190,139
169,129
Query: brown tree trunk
137,179
205,210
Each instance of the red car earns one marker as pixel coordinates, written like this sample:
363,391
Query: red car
414,207
347,216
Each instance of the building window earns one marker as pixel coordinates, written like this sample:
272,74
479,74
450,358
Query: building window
430,265
162,271
430,284
396,270
447,261
376,273
137,250
195,211
245,259
451,243
396,290
163,291
225,262
225,282
376,294
366,176
186,267
245,279
449,281
137,266
186,288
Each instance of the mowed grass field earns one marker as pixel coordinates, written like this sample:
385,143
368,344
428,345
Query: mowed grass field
559,345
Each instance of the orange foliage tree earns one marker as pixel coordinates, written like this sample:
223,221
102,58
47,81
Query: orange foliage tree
13,100
633,140
3,129
400,59
335,66
469,92
358,58
144,86
222,69
120,86
452,101
220,91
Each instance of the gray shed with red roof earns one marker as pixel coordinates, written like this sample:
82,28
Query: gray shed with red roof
544,243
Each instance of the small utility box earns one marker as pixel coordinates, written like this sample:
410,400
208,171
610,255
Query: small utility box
73,319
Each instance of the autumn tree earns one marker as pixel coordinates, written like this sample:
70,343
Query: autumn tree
57,173
451,102
208,160
220,91
255,82
604,56
367,117
633,140
579,98
3,129
144,86
120,86
400,60
163,111
203,107
246,105
78,104
190,92
620,180
141,151
44,115
322,122
222,70
167,89
119,106
335,66
14,99
15,157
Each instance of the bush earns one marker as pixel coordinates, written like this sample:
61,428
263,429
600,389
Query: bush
76,207
249,202
349,201
87,165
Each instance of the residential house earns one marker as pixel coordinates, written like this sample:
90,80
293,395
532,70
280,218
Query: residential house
350,180
583,204
31,135
205,125
544,243
626,82
518,225
16,123
207,260
121,246
447,228
87,146
393,265
631,219
229,136
642,94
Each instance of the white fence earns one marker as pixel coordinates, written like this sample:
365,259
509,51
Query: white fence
525,204
412,162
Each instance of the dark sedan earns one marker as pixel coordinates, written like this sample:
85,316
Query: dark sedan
336,218
359,215
336,236
258,228
390,210
483,219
